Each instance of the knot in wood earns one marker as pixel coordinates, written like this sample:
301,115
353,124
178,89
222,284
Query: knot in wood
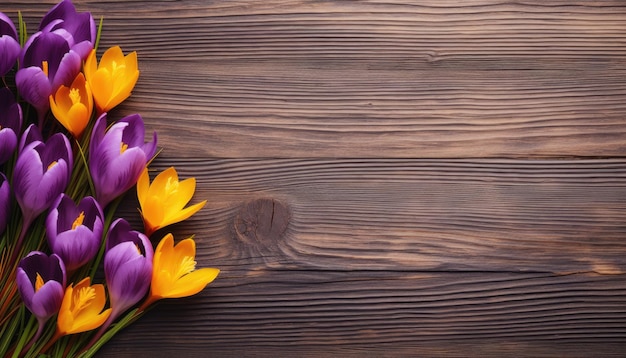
262,222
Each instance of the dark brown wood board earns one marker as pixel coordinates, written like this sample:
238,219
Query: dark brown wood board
386,178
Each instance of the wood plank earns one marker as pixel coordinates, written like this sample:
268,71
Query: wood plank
506,215
374,78
284,312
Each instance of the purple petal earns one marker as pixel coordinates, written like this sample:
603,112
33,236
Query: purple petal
25,286
94,215
134,133
97,133
45,46
83,49
10,111
8,143
76,247
37,183
31,134
5,202
9,52
47,300
68,69
7,27
128,275
119,231
33,85
58,147
81,26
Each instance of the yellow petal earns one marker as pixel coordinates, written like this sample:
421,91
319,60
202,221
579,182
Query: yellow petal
65,319
92,323
185,248
131,62
183,214
90,66
110,56
123,90
153,212
183,194
101,88
86,316
160,183
78,117
165,249
192,283
143,184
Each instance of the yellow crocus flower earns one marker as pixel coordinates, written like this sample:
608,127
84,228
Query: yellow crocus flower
113,79
81,309
174,273
72,106
163,202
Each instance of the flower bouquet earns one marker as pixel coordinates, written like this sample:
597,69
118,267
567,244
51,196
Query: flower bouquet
72,274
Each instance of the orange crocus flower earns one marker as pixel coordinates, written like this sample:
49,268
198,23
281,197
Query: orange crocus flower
113,79
81,309
163,202
174,273
72,106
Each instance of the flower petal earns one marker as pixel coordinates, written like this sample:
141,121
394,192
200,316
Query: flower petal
193,282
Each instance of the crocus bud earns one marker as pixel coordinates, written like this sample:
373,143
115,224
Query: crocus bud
127,266
41,283
10,124
118,156
5,202
9,46
74,231
42,172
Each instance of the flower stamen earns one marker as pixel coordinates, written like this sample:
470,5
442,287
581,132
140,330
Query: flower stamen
187,265
82,298
123,147
38,282
79,220
75,96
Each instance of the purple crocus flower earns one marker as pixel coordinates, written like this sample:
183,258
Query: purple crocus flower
127,266
46,63
78,28
41,173
10,123
9,46
41,283
117,158
75,231
5,202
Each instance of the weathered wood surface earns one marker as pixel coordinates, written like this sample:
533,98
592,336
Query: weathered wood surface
387,178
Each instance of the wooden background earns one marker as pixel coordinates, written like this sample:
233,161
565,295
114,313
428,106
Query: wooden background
387,178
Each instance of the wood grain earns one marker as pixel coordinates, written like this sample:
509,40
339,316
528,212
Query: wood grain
386,178
375,78
416,215
403,257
